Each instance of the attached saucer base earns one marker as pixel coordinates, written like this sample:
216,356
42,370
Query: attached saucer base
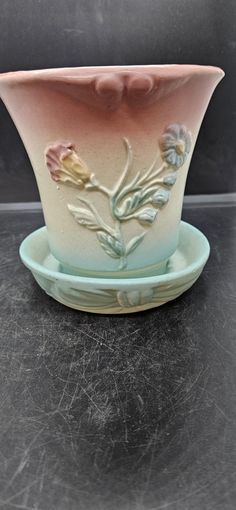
114,296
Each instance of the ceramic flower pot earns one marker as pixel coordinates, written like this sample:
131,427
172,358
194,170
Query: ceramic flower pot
111,148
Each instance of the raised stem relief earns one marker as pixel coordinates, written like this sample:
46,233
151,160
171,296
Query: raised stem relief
139,198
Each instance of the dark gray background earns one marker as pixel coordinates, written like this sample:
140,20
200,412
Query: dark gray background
135,412
42,33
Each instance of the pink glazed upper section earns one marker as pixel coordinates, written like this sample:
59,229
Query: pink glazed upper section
106,87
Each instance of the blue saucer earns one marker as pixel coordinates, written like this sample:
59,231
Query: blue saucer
107,295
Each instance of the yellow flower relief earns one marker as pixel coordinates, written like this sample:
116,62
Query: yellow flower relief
65,165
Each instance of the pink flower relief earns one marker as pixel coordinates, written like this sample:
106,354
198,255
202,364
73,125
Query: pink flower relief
65,165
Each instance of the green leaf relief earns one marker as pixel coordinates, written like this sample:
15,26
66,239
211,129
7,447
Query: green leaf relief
84,217
134,243
110,245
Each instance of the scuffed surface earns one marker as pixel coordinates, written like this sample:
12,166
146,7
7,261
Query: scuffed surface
131,412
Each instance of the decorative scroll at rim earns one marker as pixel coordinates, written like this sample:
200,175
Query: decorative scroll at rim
108,90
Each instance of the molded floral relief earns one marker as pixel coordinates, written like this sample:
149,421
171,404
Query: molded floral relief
115,300
175,145
141,198
66,166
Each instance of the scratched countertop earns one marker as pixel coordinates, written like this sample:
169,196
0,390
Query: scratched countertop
134,412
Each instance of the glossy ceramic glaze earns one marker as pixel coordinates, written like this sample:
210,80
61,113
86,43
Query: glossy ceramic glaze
110,148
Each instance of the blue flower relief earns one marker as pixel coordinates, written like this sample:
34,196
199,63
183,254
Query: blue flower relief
147,216
160,198
175,145
170,179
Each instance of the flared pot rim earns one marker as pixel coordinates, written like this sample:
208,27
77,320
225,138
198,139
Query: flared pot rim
160,70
